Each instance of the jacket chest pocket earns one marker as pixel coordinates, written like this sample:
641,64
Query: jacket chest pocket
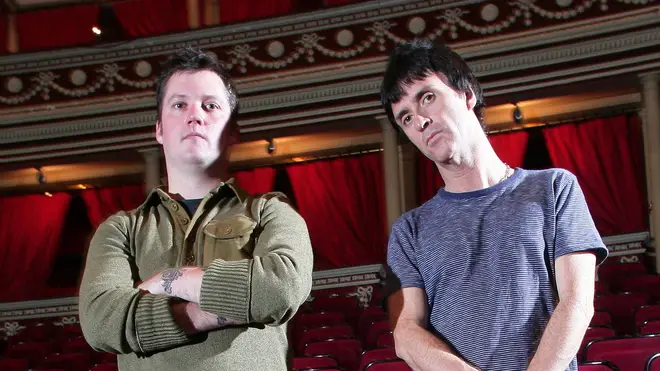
228,239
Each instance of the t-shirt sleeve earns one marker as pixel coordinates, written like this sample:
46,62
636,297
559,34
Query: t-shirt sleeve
401,255
575,228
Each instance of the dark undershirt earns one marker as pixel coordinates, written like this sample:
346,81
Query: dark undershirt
190,205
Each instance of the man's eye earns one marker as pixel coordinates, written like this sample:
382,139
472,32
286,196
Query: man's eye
178,105
406,120
428,98
211,106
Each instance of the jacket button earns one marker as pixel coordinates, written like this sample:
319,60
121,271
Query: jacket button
184,221
175,206
191,259
228,230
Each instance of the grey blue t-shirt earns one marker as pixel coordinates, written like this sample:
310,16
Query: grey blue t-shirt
481,258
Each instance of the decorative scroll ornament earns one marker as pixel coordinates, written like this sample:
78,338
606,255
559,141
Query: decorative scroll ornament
364,295
629,259
106,77
312,47
73,320
11,328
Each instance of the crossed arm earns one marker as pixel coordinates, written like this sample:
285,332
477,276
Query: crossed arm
163,311
185,283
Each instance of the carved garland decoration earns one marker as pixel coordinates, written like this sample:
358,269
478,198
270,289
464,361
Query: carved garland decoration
451,21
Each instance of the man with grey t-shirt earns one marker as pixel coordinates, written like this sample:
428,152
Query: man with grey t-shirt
497,270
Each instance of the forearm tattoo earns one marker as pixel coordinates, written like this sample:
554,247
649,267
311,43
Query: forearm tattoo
222,321
170,276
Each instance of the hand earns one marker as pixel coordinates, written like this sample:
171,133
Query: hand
193,320
182,282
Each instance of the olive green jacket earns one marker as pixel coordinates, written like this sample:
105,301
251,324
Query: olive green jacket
258,260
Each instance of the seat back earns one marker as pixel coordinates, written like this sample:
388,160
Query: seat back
615,272
105,367
601,318
37,333
68,361
339,304
367,319
385,340
376,329
383,354
622,307
602,287
311,320
345,351
649,284
628,354
650,327
597,366
653,363
14,364
323,333
594,333
76,345
647,313
317,361
391,365
69,331
35,352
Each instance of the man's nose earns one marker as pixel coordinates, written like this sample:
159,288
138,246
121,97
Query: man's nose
423,123
195,116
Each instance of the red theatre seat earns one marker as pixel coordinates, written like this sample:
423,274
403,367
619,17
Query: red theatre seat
345,351
622,307
628,354
597,366
388,366
318,361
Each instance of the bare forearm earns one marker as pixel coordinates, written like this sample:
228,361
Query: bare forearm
423,351
562,337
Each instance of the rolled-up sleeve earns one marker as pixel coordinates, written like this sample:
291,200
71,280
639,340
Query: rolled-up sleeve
116,317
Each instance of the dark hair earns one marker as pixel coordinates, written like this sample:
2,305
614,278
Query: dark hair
417,59
190,59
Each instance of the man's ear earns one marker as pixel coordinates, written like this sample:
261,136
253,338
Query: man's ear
470,99
159,132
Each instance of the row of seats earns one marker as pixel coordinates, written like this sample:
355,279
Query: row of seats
384,359
53,348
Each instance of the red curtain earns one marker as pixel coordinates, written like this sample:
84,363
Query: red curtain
256,181
429,180
238,11
604,154
30,231
340,2
140,18
103,202
57,27
510,148
343,202
4,46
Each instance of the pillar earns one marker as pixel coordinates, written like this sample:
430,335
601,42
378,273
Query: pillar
193,14
12,34
651,99
407,176
391,171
